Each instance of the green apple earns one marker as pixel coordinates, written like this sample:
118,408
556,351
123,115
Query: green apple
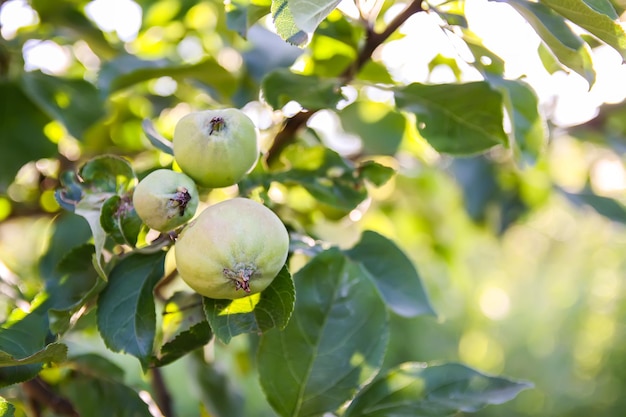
165,199
232,249
217,148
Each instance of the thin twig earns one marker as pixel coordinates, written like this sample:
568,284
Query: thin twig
373,40
41,394
162,395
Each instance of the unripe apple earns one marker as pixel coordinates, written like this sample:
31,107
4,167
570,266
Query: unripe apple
216,147
165,199
232,249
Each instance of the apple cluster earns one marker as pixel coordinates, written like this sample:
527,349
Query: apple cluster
231,249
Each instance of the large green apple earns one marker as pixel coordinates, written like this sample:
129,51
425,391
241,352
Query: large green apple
232,249
216,147
165,199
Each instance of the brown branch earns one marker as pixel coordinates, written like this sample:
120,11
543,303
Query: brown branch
161,393
373,41
41,394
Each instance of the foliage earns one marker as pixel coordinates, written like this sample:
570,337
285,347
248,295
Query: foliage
372,175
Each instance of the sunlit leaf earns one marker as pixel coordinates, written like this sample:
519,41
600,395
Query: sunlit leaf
254,314
568,47
418,390
126,311
596,16
285,24
450,119
6,408
333,343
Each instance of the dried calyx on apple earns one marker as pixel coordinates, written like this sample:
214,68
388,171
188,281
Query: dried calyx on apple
216,148
165,199
232,249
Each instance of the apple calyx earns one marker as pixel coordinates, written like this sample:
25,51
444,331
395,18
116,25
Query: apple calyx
240,275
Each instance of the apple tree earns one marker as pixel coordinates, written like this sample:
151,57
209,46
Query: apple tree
136,200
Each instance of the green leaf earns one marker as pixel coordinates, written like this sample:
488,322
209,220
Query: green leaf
99,397
282,86
70,286
94,365
126,315
217,392
569,48
418,390
74,102
605,206
450,119
242,14
54,352
6,408
128,70
375,173
22,139
379,126
529,133
119,219
596,16
155,137
285,24
392,273
254,314
325,175
485,61
107,174
308,14
20,339
334,342
184,327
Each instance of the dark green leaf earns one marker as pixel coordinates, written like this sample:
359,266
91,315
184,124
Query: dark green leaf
22,139
119,219
450,119
217,393
568,47
74,283
184,327
126,315
20,339
529,132
254,314
70,192
596,16
91,364
607,207
393,274
375,173
95,397
418,390
6,409
285,25
155,137
128,70
282,86
379,126
333,343
74,102
107,174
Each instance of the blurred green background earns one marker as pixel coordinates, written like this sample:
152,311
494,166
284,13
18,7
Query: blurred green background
524,265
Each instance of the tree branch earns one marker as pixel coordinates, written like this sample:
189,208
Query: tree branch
41,394
162,394
373,41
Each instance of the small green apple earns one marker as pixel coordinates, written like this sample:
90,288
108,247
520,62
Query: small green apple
165,199
217,148
232,249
